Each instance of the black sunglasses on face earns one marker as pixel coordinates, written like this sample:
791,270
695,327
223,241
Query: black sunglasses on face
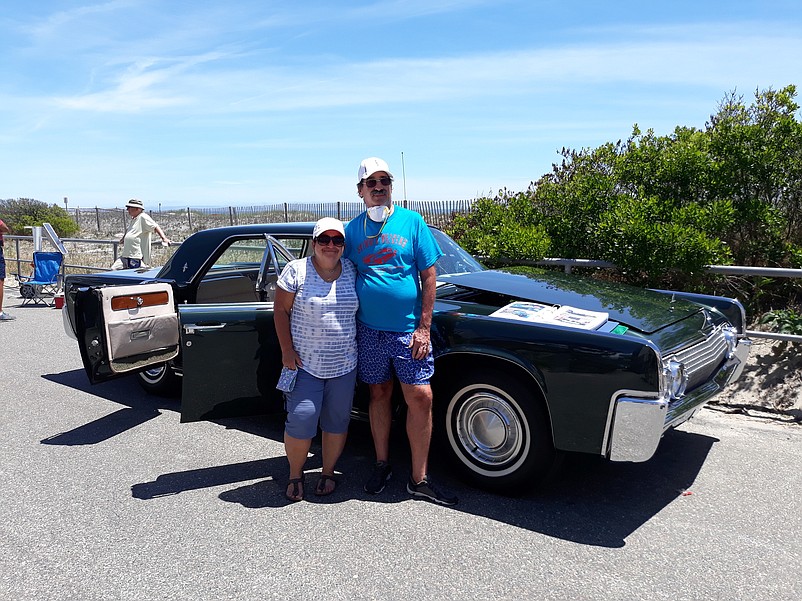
385,181
324,240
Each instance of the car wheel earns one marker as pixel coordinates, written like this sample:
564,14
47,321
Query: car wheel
497,432
160,380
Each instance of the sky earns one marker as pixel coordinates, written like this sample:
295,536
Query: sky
252,102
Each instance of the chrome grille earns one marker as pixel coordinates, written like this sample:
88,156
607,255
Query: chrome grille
702,359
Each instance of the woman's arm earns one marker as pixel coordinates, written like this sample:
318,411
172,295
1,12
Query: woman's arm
282,308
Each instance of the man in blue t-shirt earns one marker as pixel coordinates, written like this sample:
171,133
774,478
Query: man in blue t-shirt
394,253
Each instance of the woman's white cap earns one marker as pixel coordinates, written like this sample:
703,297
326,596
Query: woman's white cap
326,224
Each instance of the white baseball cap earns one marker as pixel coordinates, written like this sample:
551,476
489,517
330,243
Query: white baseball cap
370,166
326,224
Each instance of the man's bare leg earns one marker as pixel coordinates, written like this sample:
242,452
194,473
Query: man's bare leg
419,427
381,416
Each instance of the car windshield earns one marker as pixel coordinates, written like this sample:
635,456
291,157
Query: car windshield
455,259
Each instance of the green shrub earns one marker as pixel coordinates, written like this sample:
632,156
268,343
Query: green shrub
501,229
651,245
22,212
784,321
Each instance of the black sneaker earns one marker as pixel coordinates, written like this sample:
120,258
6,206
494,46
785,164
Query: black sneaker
426,490
382,472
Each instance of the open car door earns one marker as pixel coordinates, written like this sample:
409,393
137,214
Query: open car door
231,361
230,352
122,329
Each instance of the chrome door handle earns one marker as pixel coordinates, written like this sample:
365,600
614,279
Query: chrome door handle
192,328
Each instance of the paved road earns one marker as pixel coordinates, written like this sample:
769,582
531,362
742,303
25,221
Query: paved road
106,496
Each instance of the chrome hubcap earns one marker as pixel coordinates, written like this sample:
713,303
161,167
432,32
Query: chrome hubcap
488,429
154,374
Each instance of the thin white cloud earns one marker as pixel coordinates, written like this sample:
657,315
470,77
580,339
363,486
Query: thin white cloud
409,9
718,62
61,19
214,101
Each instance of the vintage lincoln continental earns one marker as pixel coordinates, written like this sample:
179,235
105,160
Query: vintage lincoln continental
529,364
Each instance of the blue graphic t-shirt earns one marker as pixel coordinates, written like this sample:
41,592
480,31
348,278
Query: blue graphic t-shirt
388,261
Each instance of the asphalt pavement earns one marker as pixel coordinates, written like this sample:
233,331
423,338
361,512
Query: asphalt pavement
107,496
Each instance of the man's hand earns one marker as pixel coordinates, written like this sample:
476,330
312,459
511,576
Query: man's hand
420,343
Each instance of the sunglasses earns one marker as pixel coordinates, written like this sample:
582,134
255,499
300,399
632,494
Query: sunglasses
385,181
324,240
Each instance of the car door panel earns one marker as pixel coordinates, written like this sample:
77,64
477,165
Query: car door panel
122,329
231,361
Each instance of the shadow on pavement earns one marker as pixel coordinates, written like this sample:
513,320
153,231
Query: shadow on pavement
590,501
141,408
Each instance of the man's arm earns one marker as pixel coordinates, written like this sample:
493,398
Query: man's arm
161,234
422,335
428,281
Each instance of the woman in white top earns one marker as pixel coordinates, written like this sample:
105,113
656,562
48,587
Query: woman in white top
136,241
315,318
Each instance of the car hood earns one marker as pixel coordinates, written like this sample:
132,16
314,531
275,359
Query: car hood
644,310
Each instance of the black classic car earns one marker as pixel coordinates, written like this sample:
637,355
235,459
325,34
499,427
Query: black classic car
529,364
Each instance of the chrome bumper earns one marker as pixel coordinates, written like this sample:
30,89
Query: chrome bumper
65,322
638,424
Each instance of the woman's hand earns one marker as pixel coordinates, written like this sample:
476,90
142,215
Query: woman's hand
291,360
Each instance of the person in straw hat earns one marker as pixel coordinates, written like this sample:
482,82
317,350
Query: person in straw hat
136,240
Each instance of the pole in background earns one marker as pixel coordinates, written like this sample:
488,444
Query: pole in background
404,177
65,204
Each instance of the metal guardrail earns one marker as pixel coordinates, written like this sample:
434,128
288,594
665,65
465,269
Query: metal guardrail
114,243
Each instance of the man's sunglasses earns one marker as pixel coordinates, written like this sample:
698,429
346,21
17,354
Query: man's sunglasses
324,239
385,181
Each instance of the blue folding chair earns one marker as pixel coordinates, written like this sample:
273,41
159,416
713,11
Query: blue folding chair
42,286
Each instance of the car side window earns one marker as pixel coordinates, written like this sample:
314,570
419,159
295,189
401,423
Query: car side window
298,247
232,277
241,253
248,268
278,253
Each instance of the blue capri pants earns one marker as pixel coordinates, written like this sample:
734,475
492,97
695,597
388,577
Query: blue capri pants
316,400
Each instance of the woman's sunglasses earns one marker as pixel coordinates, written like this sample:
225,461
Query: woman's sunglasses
385,181
324,239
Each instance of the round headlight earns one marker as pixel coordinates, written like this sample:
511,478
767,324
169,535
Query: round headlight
675,379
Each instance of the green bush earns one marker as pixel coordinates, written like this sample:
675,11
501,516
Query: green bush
652,246
22,212
499,228
663,207
784,321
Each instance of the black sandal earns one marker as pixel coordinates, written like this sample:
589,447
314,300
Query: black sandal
320,489
297,493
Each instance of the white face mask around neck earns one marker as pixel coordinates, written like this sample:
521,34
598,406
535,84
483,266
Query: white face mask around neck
380,213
